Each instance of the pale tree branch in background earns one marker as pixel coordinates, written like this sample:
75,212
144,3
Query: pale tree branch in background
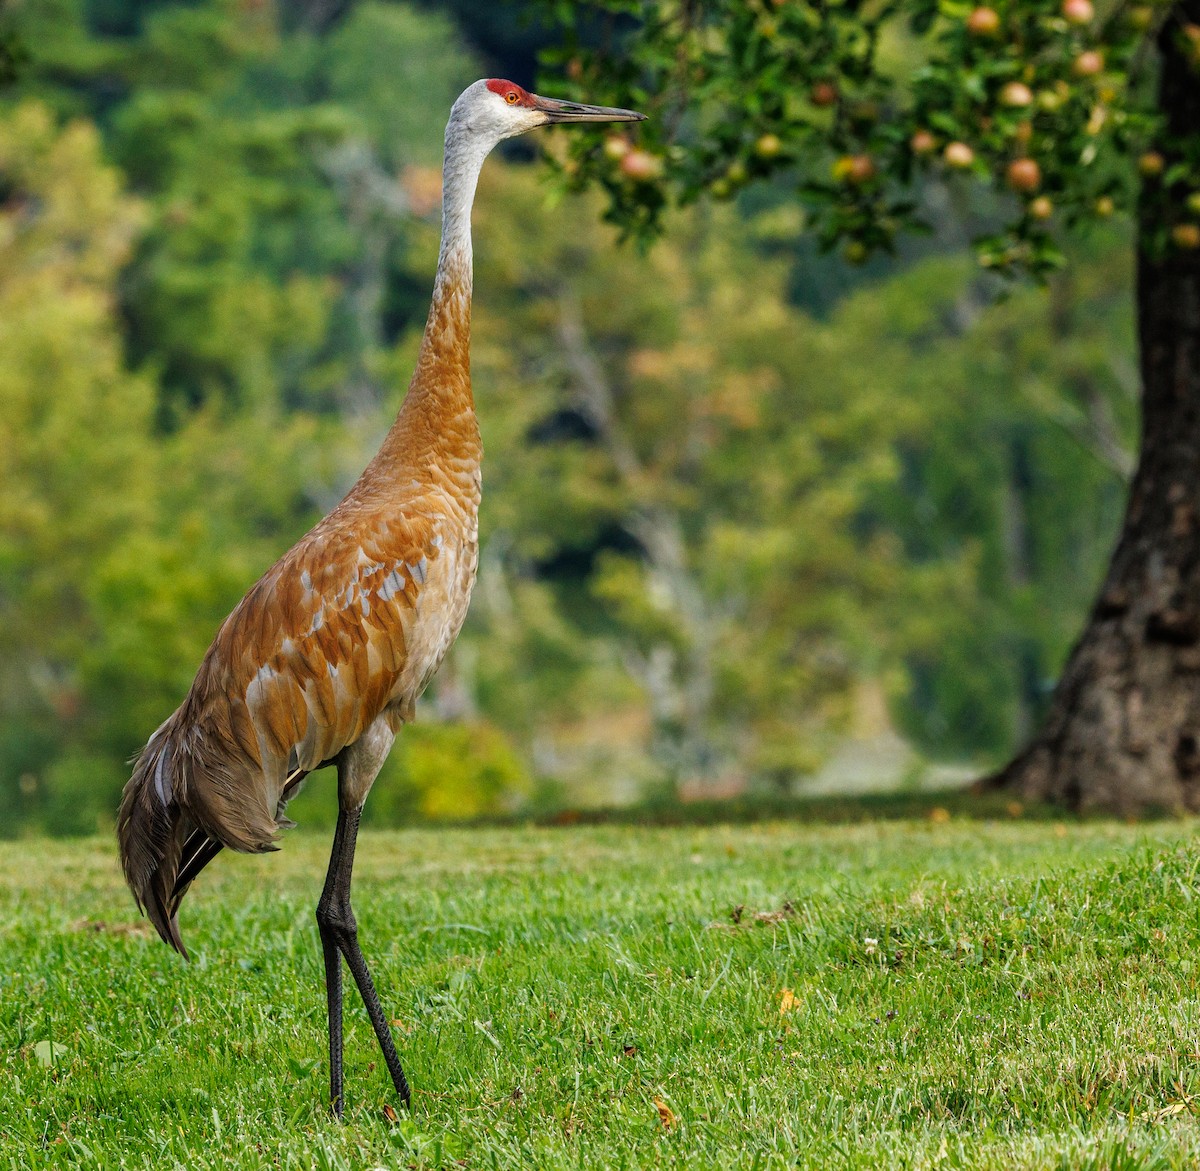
679,686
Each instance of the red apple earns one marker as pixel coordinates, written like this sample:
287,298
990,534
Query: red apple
1016,93
922,142
1078,11
1088,63
858,168
1151,164
958,154
616,146
1186,236
768,146
1024,175
824,93
983,22
641,166
862,168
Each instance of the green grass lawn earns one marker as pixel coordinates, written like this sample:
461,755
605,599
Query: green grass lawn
902,994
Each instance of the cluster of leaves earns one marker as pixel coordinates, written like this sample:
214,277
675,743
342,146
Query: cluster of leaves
861,106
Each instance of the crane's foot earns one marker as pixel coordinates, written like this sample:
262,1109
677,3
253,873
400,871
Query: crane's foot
339,939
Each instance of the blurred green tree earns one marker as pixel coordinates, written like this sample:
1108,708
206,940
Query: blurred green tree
636,397
74,460
746,511
1013,467
1049,103
121,548
257,300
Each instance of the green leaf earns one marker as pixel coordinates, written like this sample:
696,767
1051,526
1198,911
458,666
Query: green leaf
49,1053
302,1069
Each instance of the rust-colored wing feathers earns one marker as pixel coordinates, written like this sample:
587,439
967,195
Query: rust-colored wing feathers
318,649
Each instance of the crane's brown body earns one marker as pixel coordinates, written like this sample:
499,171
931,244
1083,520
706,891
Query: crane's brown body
331,648
324,659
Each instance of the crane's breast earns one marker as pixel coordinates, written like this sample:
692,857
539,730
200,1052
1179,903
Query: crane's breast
438,617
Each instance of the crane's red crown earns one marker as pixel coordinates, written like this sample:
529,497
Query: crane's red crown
512,93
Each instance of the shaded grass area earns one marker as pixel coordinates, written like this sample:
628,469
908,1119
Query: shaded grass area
971,802
316,806
955,993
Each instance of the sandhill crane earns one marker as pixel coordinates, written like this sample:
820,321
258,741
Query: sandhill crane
323,660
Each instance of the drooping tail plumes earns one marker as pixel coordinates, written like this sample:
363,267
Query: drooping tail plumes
151,829
193,792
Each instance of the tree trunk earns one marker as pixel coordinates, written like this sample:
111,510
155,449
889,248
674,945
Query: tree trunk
1123,731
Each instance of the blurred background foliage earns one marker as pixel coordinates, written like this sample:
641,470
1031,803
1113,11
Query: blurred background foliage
742,502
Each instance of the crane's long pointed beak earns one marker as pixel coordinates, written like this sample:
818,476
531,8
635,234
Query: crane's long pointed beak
557,111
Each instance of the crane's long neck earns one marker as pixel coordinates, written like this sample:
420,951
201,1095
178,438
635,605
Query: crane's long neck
439,410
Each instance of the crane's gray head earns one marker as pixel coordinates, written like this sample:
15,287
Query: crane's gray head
494,109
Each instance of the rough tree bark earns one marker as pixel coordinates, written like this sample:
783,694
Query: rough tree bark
1123,731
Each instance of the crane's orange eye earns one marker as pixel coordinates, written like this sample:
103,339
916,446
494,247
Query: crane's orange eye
511,97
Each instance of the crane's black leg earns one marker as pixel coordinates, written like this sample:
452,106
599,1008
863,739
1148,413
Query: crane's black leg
333,995
339,936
